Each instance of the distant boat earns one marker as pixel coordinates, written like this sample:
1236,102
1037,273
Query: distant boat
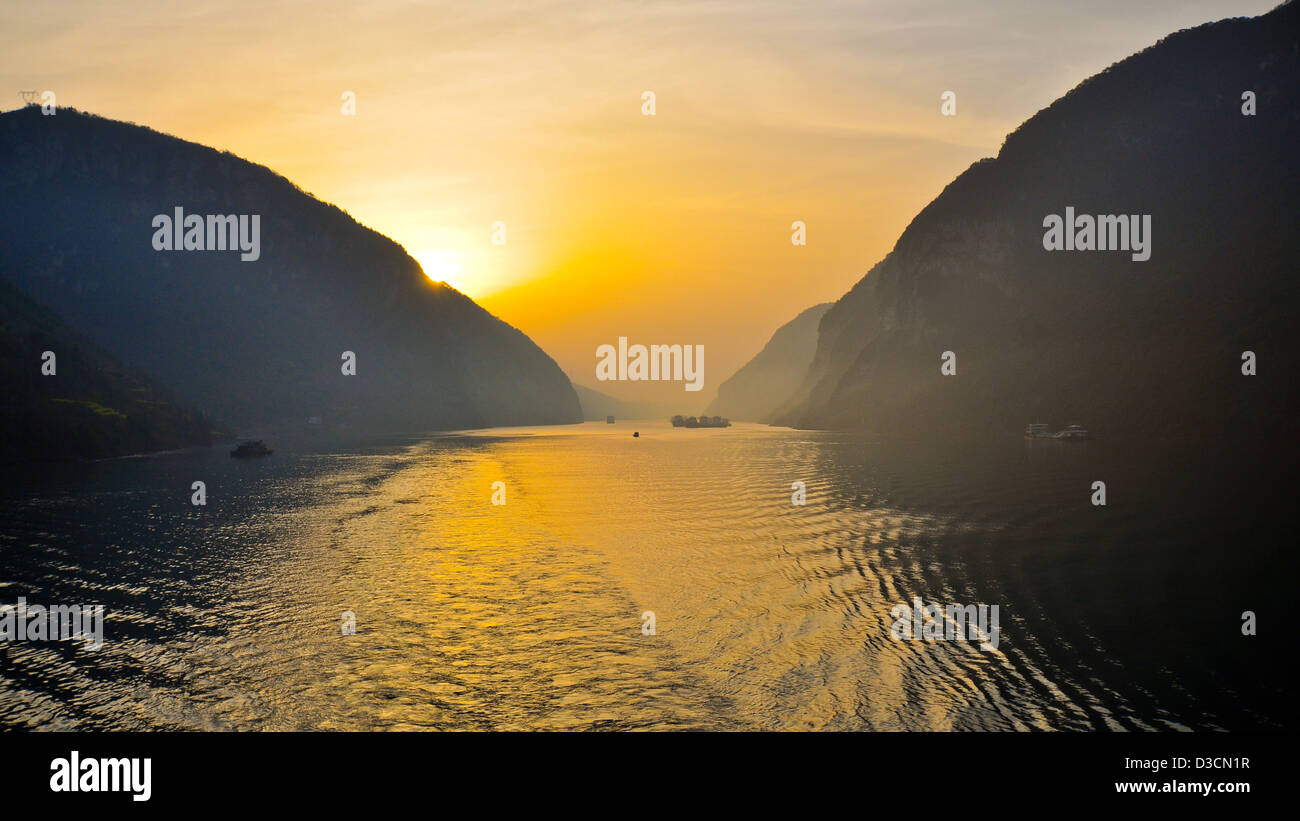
609,420
636,434
1071,432
701,422
251,448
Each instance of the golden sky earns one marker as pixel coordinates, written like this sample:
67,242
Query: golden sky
672,228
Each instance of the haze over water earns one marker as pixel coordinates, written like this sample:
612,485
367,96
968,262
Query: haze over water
528,615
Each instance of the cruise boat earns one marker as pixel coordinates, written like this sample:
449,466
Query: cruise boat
701,422
1073,432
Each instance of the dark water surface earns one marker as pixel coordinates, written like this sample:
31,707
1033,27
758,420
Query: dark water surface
767,615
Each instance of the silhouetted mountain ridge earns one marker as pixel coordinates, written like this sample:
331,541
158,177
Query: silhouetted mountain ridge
758,389
1128,348
253,343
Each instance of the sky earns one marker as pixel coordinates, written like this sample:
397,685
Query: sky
670,228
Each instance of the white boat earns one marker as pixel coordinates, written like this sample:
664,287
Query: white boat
1041,431
1073,432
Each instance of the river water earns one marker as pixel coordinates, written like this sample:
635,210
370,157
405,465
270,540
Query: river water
766,614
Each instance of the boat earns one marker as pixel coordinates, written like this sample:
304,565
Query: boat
609,420
1070,433
1074,432
700,422
250,448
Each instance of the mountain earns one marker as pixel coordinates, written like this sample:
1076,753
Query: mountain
88,406
596,406
755,391
1127,348
260,342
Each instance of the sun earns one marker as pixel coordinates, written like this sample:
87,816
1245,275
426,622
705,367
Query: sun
439,266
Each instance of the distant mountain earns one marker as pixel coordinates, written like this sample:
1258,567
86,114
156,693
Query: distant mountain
260,342
596,406
1123,347
758,389
89,406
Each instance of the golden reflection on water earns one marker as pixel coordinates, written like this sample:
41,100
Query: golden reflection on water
528,615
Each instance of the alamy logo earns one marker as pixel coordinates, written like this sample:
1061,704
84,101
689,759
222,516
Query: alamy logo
38,623
1105,232
931,622
209,232
656,363
75,774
